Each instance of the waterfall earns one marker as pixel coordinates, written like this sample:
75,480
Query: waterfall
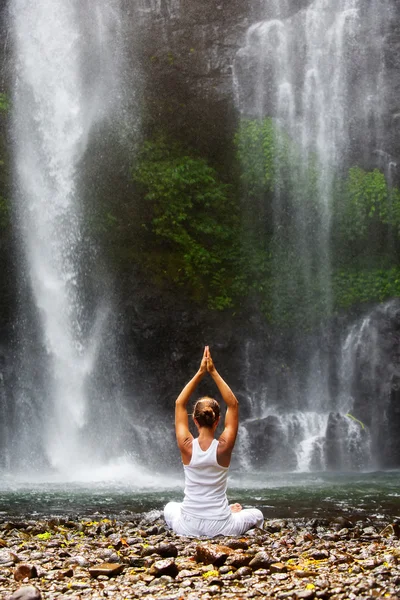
66,55
311,70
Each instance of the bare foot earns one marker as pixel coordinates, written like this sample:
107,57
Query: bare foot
236,507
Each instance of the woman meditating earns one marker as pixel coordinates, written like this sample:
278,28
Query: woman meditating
205,510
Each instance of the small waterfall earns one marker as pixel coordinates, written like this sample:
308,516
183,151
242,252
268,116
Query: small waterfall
358,431
66,83
369,378
311,70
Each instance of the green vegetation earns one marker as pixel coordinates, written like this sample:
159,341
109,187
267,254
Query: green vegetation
4,103
368,285
366,203
295,240
188,221
44,536
191,213
305,211
275,229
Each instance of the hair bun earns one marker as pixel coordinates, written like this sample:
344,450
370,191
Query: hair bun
207,410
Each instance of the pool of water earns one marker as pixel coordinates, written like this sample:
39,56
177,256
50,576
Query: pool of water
294,495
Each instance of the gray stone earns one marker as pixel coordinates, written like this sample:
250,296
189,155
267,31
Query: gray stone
262,560
167,550
26,592
239,559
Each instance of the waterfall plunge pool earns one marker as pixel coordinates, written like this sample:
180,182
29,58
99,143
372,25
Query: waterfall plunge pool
279,495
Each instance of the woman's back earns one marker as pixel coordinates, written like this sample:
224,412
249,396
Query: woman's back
205,484
205,509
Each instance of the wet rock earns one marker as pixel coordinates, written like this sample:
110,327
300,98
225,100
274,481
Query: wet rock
275,526
238,559
23,571
224,569
161,581
396,528
78,560
304,594
214,554
136,561
167,550
236,544
66,573
341,523
369,531
369,563
109,569
262,560
185,573
26,592
319,554
148,550
80,586
278,568
8,557
243,572
131,541
356,567
166,566
152,530
279,576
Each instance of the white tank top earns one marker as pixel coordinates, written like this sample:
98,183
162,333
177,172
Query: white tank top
205,484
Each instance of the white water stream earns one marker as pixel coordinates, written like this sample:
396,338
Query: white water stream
65,84
320,73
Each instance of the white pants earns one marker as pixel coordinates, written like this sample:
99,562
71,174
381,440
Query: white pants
236,524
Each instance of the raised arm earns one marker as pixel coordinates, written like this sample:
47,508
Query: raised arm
228,436
183,436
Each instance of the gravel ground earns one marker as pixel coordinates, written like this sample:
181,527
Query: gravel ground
75,559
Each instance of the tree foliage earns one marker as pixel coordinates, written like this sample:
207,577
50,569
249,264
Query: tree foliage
326,230
193,216
366,202
4,103
294,239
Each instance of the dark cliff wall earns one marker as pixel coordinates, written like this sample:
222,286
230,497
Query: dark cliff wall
180,58
186,50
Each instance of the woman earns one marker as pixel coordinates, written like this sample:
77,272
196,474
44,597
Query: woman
205,509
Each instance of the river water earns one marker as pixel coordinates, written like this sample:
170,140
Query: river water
374,495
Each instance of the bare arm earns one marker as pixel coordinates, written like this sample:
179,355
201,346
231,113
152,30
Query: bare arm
228,436
183,435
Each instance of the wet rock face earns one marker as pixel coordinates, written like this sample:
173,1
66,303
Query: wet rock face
376,382
186,50
269,448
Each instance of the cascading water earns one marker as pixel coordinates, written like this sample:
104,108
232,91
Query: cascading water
308,68
66,83
311,71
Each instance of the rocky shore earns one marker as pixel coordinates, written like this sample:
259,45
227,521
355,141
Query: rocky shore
77,559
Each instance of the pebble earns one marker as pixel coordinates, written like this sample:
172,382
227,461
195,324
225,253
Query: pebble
290,559
22,571
26,592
